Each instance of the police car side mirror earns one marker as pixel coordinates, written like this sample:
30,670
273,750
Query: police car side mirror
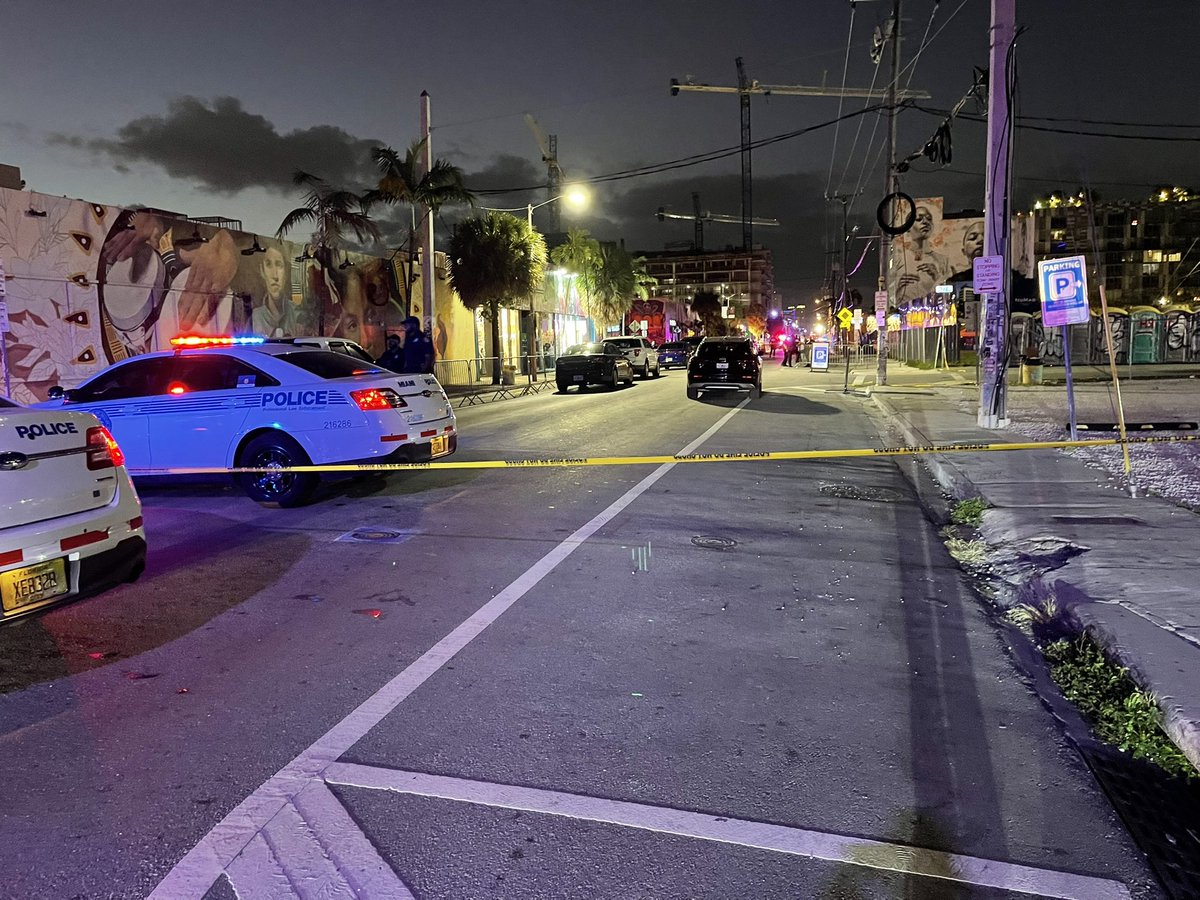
56,393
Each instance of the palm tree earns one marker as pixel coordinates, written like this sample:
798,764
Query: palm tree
578,253
401,183
333,212
616,280
495,261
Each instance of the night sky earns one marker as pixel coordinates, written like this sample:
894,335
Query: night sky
208,108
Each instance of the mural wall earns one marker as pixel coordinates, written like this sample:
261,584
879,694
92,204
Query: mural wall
940,250
90,284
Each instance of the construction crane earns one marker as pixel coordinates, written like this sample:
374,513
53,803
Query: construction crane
745,87
701,217
554,174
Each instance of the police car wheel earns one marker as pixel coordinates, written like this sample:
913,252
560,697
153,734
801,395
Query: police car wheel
270,451
562,386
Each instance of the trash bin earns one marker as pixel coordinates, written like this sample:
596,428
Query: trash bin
1031,370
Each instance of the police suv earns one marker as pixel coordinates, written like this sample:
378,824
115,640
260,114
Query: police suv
242,402
70,520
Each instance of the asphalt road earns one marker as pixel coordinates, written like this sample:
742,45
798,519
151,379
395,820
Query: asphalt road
702,680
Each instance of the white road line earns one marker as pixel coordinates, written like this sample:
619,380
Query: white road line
193,875
258,872
312,874
342,839
742,832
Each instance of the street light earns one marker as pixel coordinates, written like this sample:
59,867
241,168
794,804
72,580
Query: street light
576,195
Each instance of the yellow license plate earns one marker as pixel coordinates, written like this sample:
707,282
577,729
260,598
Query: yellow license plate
439,446
28,586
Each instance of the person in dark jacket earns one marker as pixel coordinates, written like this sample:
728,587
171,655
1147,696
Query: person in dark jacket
418,349
393,356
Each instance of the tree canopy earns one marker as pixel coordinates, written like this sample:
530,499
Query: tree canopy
495,261
610,278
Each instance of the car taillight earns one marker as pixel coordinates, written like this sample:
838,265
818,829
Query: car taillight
103,452
377,399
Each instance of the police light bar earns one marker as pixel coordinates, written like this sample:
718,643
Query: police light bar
191,340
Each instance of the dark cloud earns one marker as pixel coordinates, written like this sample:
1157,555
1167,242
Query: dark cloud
227,149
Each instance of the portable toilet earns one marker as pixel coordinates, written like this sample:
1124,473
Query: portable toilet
1050,341
1177,328
1020,331
1118,322
1081,340
1146,332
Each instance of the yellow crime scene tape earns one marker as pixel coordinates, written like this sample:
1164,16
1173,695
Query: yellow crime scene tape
765,456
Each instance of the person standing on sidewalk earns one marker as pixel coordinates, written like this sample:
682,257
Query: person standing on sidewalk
418,349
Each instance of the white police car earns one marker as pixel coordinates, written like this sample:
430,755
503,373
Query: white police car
242,402
70,520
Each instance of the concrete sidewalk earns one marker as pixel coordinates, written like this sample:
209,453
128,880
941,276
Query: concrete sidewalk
1125,570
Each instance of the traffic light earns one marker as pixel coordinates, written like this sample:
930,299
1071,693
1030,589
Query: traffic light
674,87
662,213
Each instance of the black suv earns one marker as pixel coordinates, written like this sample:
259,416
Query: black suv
724,364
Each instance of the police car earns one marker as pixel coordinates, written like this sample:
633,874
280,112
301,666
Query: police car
70,519
242,402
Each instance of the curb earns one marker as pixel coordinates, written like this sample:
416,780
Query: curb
1180,725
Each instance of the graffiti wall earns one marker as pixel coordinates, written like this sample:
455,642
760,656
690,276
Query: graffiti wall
91,284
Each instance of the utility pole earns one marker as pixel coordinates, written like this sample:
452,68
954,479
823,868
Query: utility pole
844,199
699,237
745,87
889,187
993,399
427,292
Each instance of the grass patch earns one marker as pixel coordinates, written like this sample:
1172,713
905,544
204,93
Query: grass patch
972,554
1119,712
968,512
1029,618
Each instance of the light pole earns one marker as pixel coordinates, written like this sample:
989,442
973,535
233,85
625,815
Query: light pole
576,197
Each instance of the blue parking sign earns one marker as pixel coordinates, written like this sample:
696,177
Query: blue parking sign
1063,286
820,357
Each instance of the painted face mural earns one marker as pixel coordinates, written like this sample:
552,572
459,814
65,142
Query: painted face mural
156,281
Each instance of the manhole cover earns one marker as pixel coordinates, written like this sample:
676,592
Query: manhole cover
373,535
1097,520
708,542
854,492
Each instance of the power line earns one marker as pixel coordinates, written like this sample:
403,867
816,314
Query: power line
1108,122
1105,134
693,160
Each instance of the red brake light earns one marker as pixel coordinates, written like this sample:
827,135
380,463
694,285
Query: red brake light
176,388
377,399
103,452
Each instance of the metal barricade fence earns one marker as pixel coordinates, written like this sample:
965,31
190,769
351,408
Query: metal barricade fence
475,378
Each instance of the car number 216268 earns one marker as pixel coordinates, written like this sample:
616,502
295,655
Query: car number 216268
338,423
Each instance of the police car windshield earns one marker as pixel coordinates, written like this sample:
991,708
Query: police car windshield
326,364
